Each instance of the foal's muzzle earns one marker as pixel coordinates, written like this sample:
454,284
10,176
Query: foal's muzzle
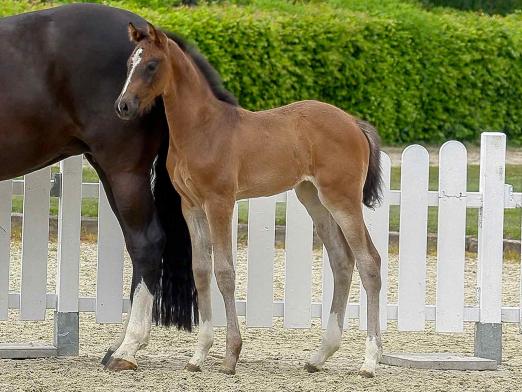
127,108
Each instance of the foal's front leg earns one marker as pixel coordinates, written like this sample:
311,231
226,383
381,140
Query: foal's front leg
202,269
219,215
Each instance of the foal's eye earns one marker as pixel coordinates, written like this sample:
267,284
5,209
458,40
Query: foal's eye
152,66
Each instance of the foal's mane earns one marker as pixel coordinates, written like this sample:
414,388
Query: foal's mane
207,70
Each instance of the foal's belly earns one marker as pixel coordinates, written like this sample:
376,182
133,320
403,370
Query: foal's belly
267,185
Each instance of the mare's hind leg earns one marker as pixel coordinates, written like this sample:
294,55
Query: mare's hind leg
202,269
345,206
342,263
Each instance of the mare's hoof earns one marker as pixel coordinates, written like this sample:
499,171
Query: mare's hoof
119,364
226,370
311,368
192,368
107,357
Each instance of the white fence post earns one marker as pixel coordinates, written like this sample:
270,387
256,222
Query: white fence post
298,264
35,245
66,317
413,239
451,238
488,331
109,283
5,245
261,239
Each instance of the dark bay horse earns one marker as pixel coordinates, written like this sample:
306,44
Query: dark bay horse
219,153
60,71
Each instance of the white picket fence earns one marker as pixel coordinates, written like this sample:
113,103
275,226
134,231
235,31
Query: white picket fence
411,312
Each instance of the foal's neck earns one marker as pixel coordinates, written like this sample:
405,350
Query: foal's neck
188,99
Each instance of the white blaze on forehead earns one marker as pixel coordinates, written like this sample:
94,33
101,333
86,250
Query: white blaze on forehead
135,60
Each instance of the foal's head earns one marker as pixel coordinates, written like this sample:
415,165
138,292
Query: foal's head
148,72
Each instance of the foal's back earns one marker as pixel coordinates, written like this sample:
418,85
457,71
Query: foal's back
306,140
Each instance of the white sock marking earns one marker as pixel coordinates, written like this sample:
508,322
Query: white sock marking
139,324
371,356
330,343
205,340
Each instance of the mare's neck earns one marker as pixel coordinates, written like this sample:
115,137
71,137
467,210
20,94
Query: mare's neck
189,102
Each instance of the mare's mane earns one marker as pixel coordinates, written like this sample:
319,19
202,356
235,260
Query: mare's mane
207,70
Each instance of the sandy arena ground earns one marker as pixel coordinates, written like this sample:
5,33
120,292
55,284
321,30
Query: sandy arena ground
272,358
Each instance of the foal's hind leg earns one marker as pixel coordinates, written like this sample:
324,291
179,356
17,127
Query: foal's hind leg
202,269
342,263
346,208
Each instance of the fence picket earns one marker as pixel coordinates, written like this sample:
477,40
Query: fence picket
109,283
378,225
6,188
261,238
35,238
451,237
69,224
451,198
298,264
413,238
491,225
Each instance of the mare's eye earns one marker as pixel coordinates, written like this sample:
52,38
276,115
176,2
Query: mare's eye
152,66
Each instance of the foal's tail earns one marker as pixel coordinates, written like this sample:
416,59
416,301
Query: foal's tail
372,193
175,298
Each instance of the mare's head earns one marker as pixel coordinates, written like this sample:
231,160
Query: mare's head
148,72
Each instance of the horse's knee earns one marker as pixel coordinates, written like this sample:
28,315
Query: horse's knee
147,251
370,274
225,277
202,273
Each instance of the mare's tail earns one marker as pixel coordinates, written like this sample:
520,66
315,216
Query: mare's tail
175,297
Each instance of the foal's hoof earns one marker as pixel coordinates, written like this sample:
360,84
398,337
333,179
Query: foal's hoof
311,368
366,373
119,364
107,357
192,368
226,370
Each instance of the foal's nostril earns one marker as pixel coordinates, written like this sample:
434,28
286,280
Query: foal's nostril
126,108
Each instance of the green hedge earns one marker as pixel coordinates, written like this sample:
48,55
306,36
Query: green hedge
417,75
502,7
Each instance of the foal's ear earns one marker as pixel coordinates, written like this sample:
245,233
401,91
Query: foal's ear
158,37
135,35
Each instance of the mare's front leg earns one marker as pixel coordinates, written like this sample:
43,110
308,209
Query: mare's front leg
219,215
202,270
132,200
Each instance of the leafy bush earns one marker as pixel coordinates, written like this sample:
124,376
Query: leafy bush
417,75
502,7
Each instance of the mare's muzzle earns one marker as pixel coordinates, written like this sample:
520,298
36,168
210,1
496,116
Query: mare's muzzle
127,108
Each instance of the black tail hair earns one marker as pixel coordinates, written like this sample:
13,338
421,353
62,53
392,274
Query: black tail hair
175,298
372,191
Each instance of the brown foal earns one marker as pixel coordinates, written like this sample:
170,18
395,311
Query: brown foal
219,153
